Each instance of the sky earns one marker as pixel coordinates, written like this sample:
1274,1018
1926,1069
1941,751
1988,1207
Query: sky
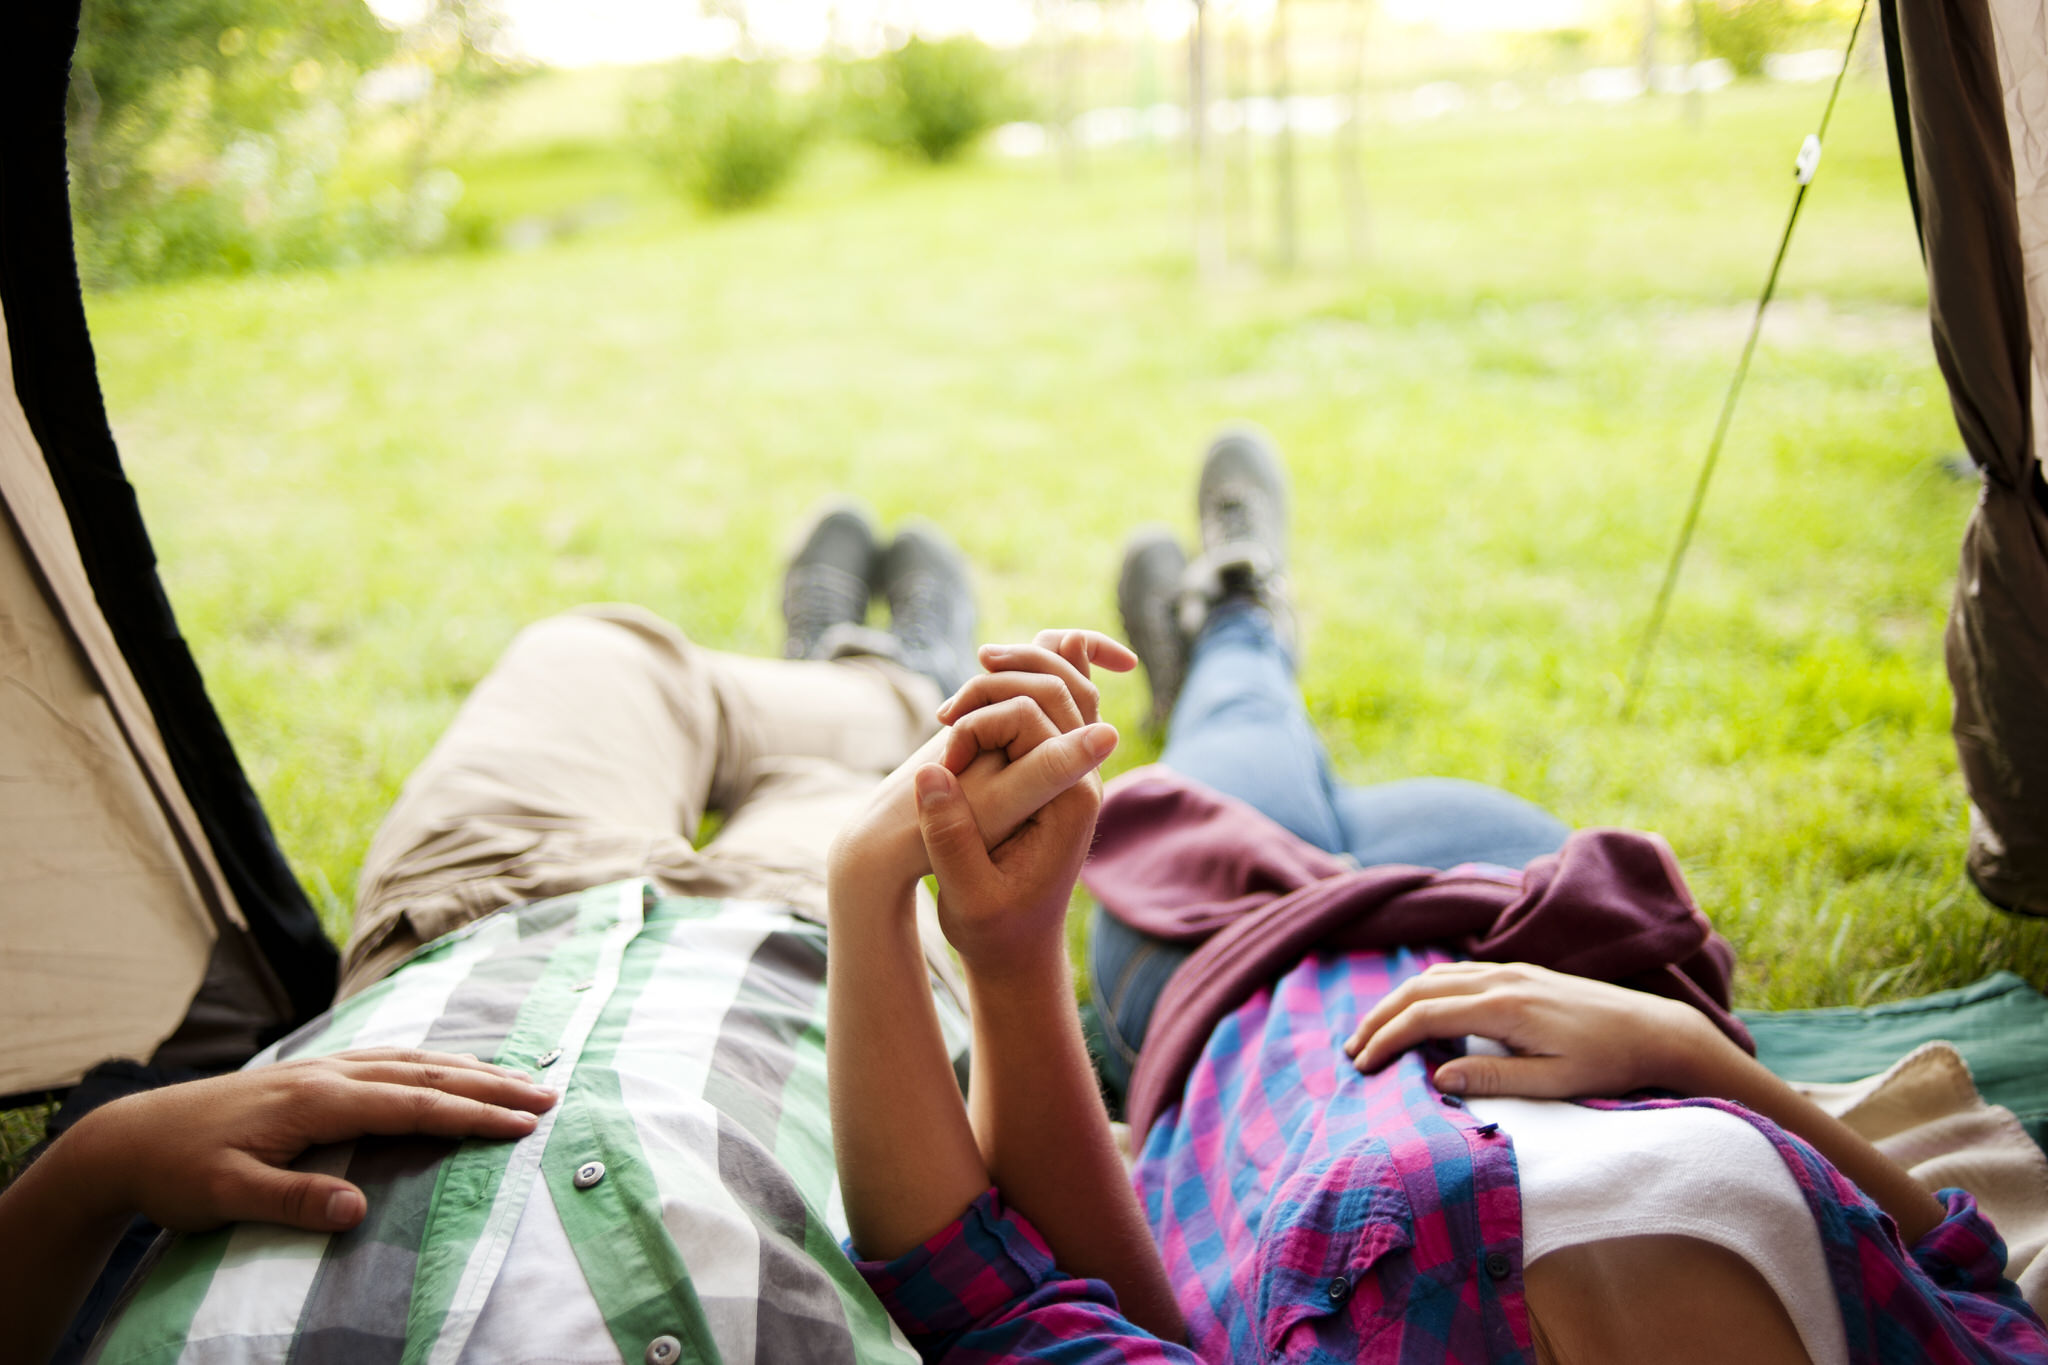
596,32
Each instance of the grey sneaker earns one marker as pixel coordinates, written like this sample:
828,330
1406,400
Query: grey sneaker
1147,594
931,605
1242,502
829,581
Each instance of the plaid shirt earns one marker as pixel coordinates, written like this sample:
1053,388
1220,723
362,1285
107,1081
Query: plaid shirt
1308,1213
679,1204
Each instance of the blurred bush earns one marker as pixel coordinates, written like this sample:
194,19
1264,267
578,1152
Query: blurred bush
932,98
225,135
726,133
1744,32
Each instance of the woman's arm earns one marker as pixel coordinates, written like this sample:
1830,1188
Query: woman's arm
194,1156
1572,1038
908,1160
908,1154
1036,1105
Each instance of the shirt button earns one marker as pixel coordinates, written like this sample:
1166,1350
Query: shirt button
664,1351
1498,1265
583,985
1338,1289
548,1058
1487,1129
588,1174
1452,1100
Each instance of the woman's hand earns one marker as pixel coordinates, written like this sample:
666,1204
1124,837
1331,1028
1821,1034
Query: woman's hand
194,1156
1570,1036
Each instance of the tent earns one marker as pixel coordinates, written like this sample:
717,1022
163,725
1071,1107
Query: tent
1970,93
146,912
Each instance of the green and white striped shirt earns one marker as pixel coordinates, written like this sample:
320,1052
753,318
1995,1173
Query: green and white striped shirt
678,1204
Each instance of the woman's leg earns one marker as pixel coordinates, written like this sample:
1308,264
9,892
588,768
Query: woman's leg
1442,822
1240,727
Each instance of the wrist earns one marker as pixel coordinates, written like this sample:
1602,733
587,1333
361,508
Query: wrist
93,1166
1033,977
1705,1062
870,873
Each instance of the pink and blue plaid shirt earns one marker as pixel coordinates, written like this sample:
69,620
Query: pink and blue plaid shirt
1308,1213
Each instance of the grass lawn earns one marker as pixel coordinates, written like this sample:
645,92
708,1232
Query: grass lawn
361,484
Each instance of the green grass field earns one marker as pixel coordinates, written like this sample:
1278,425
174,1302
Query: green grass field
361,484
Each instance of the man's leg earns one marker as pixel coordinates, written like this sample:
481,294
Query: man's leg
591,752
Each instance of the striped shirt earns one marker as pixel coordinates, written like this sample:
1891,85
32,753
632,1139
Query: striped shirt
678,1204
1308,1213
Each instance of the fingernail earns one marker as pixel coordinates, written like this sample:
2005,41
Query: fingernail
344,1207
1450,1081
931,787
1101,740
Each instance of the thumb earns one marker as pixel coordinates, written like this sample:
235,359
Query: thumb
1539,1078
298,1199
952,836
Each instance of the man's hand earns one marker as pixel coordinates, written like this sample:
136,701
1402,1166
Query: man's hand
1570,1037
194,1156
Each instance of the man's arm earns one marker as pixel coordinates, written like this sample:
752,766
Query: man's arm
194,1156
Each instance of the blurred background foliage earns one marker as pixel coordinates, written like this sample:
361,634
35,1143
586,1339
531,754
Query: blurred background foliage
239,136
727,134
228,136
1744,33
930,98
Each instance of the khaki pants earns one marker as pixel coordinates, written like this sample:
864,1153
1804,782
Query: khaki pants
592,752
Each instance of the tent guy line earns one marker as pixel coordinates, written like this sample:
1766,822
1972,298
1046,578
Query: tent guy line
1804,169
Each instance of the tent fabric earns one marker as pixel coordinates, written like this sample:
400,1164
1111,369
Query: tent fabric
1999,1025
108,900
1975,73
150,838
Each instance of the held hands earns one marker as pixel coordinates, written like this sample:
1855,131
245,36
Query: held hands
1569,1036
194,1156
1002,903
997,746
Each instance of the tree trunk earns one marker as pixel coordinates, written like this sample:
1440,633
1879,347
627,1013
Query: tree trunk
1237,165
1350,143
1285,207
1648,64
1208,255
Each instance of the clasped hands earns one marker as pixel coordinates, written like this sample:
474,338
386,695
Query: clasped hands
1000,806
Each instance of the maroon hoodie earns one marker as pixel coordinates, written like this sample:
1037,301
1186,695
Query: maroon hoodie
1180,861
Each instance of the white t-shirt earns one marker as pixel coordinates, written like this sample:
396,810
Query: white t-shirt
1591,1174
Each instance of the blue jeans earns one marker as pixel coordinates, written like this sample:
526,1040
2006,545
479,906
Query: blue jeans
1241,728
